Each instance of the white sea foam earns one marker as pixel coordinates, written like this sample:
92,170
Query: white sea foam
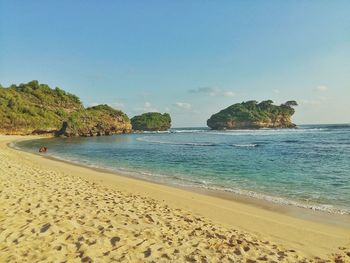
155,132
190,131
206,184
264,132
147,139
278,200
245,145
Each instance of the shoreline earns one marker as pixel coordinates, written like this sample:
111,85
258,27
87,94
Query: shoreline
297,211
309,238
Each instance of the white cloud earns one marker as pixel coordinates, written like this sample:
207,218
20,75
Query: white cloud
147,104
213,91
322,88
183,105
276,91
228,94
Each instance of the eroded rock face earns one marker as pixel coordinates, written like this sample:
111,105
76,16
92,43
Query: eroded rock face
93,131
253,115
231,125
96,121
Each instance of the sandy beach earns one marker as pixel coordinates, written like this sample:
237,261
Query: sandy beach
51,211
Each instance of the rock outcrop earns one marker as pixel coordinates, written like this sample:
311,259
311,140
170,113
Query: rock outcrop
95,121
254,115
34,108
151,121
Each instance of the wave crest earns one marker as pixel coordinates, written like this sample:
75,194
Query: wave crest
246,145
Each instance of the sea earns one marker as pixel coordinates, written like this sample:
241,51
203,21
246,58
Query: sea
308,167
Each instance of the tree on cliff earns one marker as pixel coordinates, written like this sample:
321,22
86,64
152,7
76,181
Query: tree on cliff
291,103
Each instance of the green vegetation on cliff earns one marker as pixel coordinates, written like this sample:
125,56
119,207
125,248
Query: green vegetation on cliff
34,108
252,114
97,120
151,121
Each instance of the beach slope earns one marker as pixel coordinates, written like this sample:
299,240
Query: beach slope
51,211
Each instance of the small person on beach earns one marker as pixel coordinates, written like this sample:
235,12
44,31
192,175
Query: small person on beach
43,149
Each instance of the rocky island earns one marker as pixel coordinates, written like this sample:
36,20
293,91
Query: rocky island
34,108
151,121
254,115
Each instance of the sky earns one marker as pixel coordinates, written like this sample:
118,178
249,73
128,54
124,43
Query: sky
188,58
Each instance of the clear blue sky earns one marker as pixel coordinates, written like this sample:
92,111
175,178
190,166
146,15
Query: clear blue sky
189,58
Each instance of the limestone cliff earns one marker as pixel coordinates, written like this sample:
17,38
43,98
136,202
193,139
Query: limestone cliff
254,115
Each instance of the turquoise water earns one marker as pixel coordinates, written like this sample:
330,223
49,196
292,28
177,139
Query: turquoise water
307,167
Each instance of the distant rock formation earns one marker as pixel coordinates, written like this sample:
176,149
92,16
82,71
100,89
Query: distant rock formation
254,115
34,108
151,121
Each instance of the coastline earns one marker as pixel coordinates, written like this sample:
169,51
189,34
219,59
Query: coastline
288,207
309,238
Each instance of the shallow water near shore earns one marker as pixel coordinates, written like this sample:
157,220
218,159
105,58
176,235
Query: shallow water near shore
306,167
